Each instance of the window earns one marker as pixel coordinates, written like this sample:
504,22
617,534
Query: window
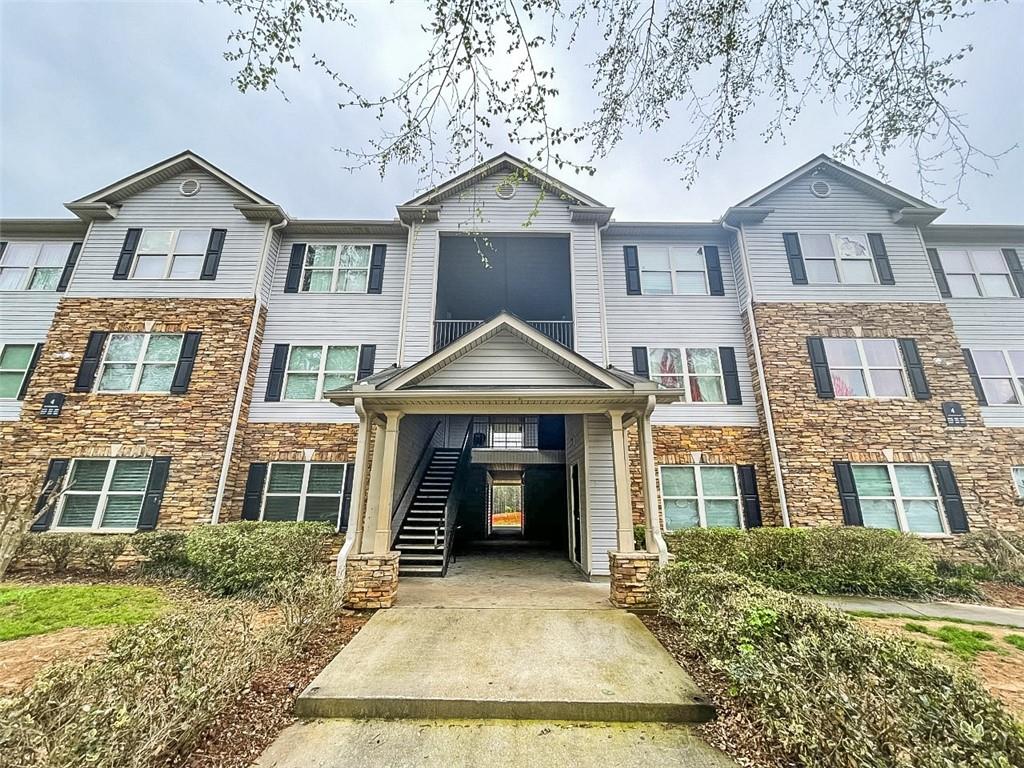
174,254
898,496
1018,480
976,273
139,362
303,491
675,269
313,370
14,362
336,268
701,376
700,495
1002,375
32,266
866,367
831,259
104,494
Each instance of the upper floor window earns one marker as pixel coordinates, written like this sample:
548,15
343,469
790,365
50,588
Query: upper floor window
336,268
104,494
698,370
1018,480
703,495
834,258
174,254
866,367
139,362
15,360
672,269
297,491
313,370
899,496
976,273
1001,374
32,266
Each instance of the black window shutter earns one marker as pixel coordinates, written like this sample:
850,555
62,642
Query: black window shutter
727,356
213,251
186,359
28,374
641,367
291,282
3,247
275,381
632,260
1016,270
47,498
714,267
915,369
951,501
749,496
69,267
848,493
90,361
346,497
881,257
797,271
979,390
254,491
124,261
375,283
819,365
367,354
940,273
158,472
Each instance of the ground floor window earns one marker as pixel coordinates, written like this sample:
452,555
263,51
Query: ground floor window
700,495
901,497
104,494
1018,479
303,491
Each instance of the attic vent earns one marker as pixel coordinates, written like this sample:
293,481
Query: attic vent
506,190
189,187
820,188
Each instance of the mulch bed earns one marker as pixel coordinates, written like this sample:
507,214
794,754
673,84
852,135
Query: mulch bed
1001,594
244,730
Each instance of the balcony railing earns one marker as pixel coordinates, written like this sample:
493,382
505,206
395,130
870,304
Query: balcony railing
447,331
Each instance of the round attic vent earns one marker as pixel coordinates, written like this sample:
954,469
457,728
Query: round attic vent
820,188
506,190
189,187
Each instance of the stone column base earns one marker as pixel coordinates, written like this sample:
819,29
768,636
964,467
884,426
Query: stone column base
630,582
371,581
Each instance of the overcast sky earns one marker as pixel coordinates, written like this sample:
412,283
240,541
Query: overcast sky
93,91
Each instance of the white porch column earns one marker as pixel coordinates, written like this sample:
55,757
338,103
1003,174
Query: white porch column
369,526
389,456
354,524
655,541
623,502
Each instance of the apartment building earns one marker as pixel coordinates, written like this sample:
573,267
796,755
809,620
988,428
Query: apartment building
505,360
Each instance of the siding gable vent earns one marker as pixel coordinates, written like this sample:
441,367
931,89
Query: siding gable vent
821,188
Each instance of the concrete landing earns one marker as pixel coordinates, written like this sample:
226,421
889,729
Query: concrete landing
496,744
524,664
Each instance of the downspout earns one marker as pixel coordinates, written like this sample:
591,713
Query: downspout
762,381
600,295
410,244
243,379
354,529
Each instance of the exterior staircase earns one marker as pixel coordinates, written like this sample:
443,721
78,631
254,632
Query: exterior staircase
421,537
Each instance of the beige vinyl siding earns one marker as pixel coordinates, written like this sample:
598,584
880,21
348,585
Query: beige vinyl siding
274,255
600,479
847,210
162,206
575,453
414,431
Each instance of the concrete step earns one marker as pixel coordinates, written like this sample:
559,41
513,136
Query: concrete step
419,570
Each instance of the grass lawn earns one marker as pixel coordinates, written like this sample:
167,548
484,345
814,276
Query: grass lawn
26,611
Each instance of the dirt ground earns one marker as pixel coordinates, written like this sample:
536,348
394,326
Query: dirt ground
1003,595
22,659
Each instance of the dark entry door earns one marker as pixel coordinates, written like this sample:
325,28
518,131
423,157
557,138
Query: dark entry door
577,519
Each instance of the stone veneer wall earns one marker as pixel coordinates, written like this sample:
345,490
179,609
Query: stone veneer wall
812,432
191,428
631,579
371,581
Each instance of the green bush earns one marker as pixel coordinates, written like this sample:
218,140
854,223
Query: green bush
640,537
164,552
827,693
54,551
100,553
248,556
828,560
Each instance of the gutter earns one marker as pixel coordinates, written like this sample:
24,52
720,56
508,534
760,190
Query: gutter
243,378
773,446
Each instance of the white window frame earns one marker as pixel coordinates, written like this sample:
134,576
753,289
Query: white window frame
702,518
304,493
976,274
139,365
840,274
32,268
321,372
1017,476
899,498
672,271
24,372
171,255
1016,377
865,368
104,493
686,375
336,269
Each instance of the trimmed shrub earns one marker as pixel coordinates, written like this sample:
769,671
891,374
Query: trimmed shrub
640,537
827,693
54,550
164,552
100,553
249,556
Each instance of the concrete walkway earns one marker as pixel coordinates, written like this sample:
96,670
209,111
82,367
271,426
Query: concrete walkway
1010,617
